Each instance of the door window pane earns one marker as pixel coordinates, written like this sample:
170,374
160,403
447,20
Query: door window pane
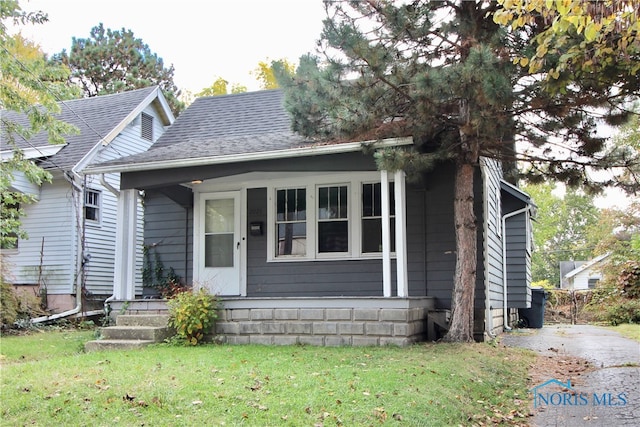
219,239
218,250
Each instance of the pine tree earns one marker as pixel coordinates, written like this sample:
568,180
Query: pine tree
443,72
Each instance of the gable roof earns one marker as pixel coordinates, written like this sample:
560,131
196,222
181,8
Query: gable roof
587,265
100,119
228,128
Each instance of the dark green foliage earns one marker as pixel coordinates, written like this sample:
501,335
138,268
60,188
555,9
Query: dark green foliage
112,61
192,315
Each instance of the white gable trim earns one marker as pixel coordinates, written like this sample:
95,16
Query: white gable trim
156,94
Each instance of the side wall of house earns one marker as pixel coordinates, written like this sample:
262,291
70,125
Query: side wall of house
168,235
492,245
518,256
100,235
46,257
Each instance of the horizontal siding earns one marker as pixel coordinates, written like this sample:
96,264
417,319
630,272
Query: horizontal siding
304,278
168,233
48,219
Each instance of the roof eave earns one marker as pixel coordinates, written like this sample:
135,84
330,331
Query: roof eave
249,157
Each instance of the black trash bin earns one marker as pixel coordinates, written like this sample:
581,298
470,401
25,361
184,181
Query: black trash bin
534,317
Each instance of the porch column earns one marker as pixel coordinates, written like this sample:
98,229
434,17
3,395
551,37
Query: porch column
401,233
386,234
125,255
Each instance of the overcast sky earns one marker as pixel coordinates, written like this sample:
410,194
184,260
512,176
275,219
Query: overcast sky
203,39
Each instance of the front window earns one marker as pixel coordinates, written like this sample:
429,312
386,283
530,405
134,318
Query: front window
333,219
372,218
291,222
92,205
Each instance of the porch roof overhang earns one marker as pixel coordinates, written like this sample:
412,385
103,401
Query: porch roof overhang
288,153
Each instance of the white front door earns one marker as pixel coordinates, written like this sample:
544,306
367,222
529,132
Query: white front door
219,247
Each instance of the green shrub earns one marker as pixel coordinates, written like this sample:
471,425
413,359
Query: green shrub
192,314
8,305
623,311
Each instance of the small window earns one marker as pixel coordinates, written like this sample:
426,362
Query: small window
333,219
372,218
593,282
92,205
291,222
146,127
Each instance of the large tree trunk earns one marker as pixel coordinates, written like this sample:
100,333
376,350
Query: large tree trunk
464,284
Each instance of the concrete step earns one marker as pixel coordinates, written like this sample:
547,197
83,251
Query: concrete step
151,333
160,320
110,344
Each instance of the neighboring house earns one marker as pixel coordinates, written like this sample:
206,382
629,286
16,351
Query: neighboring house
307,241
581,275
71,228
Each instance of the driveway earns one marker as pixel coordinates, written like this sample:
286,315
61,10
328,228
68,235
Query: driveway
608,395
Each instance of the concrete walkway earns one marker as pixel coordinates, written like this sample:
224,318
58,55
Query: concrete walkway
608,396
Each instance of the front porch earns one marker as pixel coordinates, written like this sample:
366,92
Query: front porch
327,321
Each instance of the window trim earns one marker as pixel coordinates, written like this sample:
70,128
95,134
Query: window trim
98,206
312,184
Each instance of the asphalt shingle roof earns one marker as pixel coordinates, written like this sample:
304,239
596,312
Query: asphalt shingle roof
96,117
249,122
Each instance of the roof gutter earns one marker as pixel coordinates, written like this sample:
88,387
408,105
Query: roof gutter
249,157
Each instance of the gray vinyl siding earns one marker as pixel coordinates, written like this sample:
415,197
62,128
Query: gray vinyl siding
492,247
168,232
49,251
361,277
518,257
440,238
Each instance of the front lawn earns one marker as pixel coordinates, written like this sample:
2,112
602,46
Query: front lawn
50,382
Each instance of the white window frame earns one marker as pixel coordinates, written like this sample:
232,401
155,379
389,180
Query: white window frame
97,206
312,184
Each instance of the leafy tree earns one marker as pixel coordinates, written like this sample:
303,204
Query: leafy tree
112,61
562,229
221,87
444,73
587,37
30,85
265,73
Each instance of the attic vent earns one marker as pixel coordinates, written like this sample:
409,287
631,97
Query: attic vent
146,127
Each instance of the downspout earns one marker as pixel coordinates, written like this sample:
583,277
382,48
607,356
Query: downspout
505,314
70,176
115,192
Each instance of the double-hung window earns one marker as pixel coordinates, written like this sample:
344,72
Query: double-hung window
92,205
333,219
330,220
291,222
372,218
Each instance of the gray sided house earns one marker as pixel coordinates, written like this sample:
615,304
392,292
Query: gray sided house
72,227
307,241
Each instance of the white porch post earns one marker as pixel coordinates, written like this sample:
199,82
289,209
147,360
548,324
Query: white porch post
401,233
386,234
125,256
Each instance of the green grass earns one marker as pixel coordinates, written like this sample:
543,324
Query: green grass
628,330
47,381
